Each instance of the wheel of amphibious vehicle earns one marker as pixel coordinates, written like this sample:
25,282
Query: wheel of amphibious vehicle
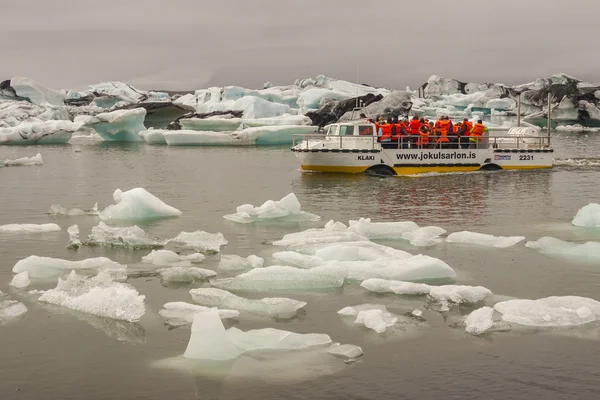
380,170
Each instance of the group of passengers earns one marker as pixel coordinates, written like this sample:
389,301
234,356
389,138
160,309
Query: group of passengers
420,132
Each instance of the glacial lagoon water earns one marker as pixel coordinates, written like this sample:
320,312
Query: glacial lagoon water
54,353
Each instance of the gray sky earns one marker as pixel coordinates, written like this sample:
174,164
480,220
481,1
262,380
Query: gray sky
189,44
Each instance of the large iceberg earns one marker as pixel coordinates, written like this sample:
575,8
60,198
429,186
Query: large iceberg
588,216
120,125
167,258
180,313
481,239
29,228
129,236
51,268
98,295
276,307
35,92
200,241
584,251
39,132
136,204
550,311
23,161
287,209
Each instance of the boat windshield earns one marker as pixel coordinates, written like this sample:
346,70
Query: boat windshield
347,130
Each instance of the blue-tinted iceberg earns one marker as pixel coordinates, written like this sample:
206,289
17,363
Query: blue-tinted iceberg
118,126
287,209
40,132
588,216
549,245
137,204
35,92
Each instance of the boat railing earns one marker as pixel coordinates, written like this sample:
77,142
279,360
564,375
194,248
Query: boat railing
415,142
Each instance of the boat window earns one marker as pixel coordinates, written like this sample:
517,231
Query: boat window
333,130
346,130
365,130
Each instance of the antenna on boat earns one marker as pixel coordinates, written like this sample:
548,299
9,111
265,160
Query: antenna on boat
519,111
356,85
549,115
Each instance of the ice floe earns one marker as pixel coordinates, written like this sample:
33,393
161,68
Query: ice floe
481,239
180,313
167,258
552,311
588,216
51,268
11,309
200,241
262,135
39,132
74,241
98,295
276,307
576,128
29,228
333,232
287,209
381,230
230,262
23,161
20,280
211,124
57,209
120,125
345,351
137,204
479,321
153,136
397,287
132,237
550,245
372,316
185,274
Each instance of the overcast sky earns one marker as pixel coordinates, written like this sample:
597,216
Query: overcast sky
189,44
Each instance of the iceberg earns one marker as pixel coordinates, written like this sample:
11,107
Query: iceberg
153,136
397,287
169,258
425,236
285,119
132,237
345,351
275,278
11,309
236,263
377,320
29,228
381,230
39,132
185,274
203,138
180,314
552,311
118,126
200,241
273,135
57,209
275,307
98,296
35,92
584,251
20,280
479,321
481,239
286,209
52,268
211,124
137,204
354,310
24,161
74,242
588,216
333,232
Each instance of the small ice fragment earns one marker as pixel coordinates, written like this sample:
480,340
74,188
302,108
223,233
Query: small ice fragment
474,238
24,161
479,321
352,311
397,287
286,209
21,280
29,228
180,313
459,294
132,237
588,216
200,241
345,351
417,313
185,274
74,242
235,263
57,209
137,204
168,258
11,309
377,320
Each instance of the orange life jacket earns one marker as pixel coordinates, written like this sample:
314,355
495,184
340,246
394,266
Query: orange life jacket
477,131
424,136
469,127
414,126
386,132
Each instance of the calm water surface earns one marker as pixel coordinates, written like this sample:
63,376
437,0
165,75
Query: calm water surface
53,353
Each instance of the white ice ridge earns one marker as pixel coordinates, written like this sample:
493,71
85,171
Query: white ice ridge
588,216
277,277
550,245
130,237
446,293
23,161
29,228
51,268
230,262
11,309
74,242
180,313
20,280
264,135
120,125
98,295
185,274
39,132
286,209
200,241
576,128
57,209
479,321
137,204
167,258
481,239
276,307
550,311
210,341
372,316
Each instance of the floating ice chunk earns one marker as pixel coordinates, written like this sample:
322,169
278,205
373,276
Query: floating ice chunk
550,311
279,278
180,313
286,119
57,209
417,313
381,230
137,204
482,239
397,287
39,132
29,228
333,232
153,136
272,135
550,245
588,216
11,309
185,274
171,259
203,242
130,236
354,310
345,351
74,242
209,340
287,209
51,268
120,125
459,294
36,92
210,124
576,128
424,237
276,339
236,263
479,321
20,280
24,161
377,320
98,296
204,138
276,307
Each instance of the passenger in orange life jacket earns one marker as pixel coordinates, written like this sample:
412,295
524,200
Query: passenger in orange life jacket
424,135
464,132
476,133
386,132
443,133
